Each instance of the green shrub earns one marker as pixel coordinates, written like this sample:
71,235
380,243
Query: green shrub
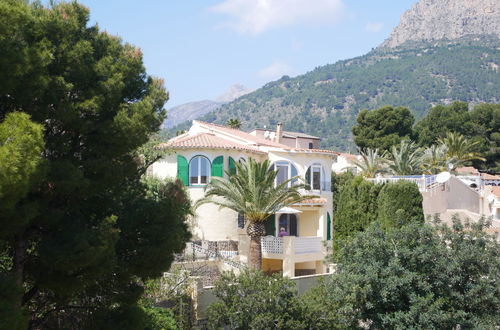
399,203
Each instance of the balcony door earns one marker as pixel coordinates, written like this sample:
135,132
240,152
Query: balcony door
289,222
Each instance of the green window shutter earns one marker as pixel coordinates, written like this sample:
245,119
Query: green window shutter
183,169
328,227
232,166
218,167
270,224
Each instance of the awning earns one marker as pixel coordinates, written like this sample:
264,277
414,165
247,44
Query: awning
289,210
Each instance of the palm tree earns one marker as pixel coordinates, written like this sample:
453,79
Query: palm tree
371,162
252,192
405,158
459,149
434,159
234,123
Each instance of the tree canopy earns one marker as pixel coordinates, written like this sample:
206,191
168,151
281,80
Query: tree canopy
414,277
87,231
382,128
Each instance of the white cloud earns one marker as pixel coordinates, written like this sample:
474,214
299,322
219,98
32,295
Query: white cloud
257,16
374,27
275,71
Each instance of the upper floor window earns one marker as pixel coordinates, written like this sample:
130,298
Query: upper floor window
286,171
314,176
199,170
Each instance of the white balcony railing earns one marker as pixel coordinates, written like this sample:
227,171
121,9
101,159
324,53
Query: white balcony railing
271,244
307,245
291,244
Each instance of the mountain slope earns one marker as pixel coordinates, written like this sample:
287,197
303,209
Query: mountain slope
442,51
326,101
194,110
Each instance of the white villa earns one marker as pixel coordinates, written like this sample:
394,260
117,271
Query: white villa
208,150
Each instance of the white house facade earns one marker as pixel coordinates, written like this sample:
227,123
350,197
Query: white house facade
209,150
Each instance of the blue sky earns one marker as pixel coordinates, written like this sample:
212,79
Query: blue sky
200,48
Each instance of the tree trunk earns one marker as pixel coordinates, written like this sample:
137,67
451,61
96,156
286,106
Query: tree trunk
18,264
255,253
255,230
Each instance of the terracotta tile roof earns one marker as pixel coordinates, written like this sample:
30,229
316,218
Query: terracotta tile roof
291,134
496,191
487,176
206,140
467,170
349,157
313,201
243,135
259,141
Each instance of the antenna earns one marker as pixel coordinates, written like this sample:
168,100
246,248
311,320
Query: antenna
443,177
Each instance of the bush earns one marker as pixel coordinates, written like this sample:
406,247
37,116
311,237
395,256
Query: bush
356,208
413,277
254,300
399,203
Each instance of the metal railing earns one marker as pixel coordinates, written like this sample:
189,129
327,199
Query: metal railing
425,183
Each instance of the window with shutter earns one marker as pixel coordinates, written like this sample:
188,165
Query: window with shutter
270,224
232,166
328,227
241,221
183,170
218,167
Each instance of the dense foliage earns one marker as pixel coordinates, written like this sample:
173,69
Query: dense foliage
398,204
254,300
85,230
481,126
415,277
326,101
382,128
356,208
359,203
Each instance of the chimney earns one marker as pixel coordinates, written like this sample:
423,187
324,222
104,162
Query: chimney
279,132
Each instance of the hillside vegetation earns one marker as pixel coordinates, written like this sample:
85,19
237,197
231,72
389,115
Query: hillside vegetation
326,101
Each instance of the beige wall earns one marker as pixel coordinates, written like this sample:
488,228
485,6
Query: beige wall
453,195
212,223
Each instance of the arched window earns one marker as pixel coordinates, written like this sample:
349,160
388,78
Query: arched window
199,170
314,176
286,171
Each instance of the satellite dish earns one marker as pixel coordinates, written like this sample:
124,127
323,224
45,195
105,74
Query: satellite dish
272,135
266,134
443,177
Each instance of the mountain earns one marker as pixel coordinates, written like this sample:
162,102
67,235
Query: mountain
404,71
189,111
194,110
430,20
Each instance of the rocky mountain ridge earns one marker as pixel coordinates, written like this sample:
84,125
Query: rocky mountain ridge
430,20
196,109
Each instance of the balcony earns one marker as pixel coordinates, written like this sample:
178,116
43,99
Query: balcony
301,248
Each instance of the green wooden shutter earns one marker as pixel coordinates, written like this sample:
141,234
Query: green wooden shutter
270,224
183,169
328,227
232,166
218,166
